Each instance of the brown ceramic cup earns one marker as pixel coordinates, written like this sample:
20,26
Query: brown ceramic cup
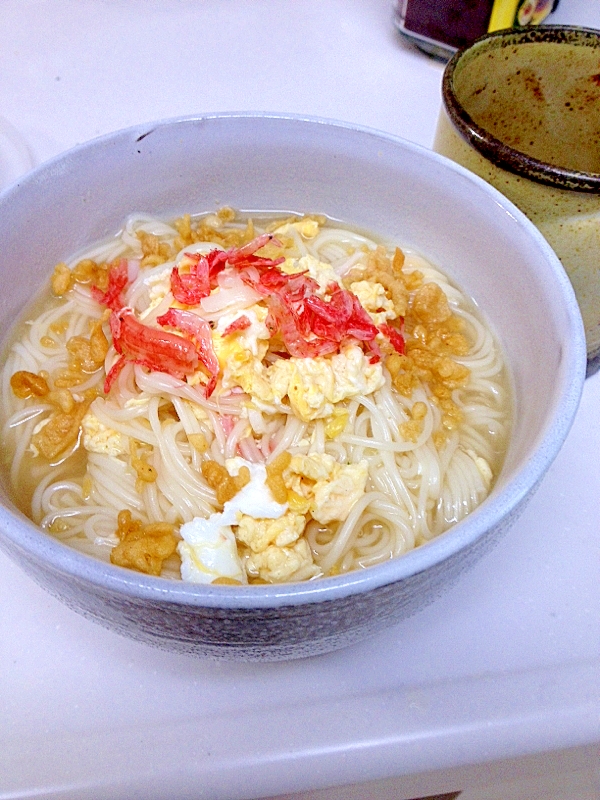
521,108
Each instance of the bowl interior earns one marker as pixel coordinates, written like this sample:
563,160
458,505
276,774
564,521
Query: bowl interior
363,178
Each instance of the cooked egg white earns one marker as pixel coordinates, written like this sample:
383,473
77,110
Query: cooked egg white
209,550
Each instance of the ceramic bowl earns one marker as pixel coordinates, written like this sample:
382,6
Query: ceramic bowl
365,178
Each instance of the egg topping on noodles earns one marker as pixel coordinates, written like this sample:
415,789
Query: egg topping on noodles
235,404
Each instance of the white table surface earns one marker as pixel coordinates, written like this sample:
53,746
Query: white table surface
503,665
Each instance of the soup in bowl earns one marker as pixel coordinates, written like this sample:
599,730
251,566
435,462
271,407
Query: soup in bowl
287,380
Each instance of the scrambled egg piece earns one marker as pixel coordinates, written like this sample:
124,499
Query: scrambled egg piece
258,534
314,385
240,354
276,548
280,564
137,402
307,228
331,488
319,271
99,438
374,300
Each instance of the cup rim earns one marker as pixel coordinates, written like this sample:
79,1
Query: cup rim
493,149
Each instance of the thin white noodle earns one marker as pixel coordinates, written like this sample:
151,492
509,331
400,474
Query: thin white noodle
415,489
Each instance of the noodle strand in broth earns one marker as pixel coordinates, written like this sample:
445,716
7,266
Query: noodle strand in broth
246,401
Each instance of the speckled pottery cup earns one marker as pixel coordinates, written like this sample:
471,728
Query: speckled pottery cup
368,179
522,110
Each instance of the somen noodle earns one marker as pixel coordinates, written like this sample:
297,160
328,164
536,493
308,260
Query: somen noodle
232,400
